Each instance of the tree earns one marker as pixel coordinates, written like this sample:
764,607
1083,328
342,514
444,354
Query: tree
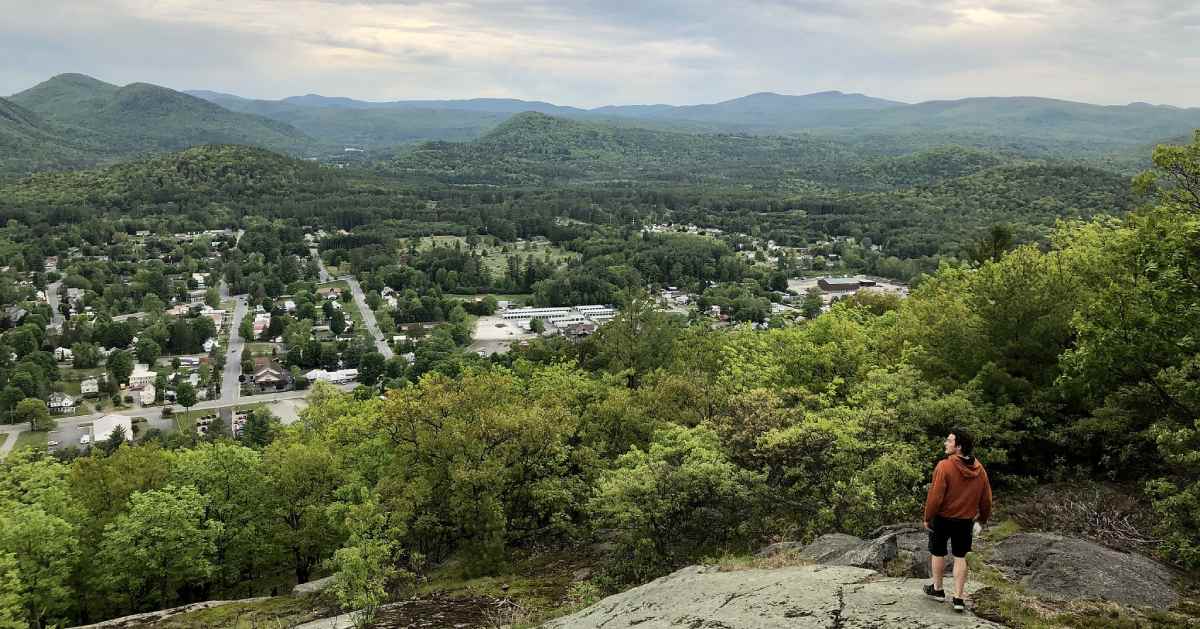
259,429
44,547
230,478
303,478
163,543
537,326
120,365
185,395
148,351
85,355
246,329
337,322
365,565
370,368
212,297
12,615
34,411
812,303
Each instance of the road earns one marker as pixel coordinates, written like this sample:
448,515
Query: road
12,432
56,317
360,299
230,387
321,272
368,316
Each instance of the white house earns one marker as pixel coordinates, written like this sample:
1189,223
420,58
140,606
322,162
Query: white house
210,344
102,428
63,354
141,376
91,386
61,403
199,278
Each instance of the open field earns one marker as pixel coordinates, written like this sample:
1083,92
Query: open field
28,439
495,257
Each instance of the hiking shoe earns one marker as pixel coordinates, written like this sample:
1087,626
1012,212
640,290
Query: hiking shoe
959,604
938,594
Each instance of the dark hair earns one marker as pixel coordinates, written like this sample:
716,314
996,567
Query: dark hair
965,440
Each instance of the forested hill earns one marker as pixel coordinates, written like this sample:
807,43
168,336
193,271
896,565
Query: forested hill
139,117
533,148
28,143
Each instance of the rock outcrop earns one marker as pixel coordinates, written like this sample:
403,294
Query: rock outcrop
796,598
899,550
1066,569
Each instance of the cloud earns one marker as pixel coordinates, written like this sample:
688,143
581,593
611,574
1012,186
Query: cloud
594,52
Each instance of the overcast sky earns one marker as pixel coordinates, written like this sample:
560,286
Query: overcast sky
595,52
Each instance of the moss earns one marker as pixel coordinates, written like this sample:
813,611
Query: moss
276,612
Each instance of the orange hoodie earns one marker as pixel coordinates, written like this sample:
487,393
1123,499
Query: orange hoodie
960,490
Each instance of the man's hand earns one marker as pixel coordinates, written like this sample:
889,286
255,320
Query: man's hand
926,525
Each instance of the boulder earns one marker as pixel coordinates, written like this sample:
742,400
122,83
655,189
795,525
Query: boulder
912,549
1066,569
798,597
312,587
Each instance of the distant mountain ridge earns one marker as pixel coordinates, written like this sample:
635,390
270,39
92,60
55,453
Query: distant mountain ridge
1004,122
145,117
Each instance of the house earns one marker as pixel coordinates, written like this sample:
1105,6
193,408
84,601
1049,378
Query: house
15,314
141,376
199,278
271,378
262,321
74,295
329,292
61,403
103,428
289,305
147,395
90,386
179,310
63,354
210,344
340,376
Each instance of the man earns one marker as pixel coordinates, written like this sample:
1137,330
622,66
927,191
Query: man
959,497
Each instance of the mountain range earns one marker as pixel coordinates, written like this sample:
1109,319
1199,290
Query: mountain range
73,120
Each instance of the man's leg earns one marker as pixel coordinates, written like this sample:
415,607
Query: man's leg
938,568
960,576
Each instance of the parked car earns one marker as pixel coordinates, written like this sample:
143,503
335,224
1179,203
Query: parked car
52,444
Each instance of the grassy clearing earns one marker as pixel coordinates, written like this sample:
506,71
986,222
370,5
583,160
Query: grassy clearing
276,612
494,257
29,439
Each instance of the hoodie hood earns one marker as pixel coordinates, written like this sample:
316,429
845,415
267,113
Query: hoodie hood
967,466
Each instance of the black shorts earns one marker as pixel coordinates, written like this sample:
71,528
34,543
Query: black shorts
958,531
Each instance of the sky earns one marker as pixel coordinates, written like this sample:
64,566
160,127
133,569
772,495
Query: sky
589,53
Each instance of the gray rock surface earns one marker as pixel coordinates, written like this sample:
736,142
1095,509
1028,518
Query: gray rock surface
837,549
799,597
1064,569
312,587
912,549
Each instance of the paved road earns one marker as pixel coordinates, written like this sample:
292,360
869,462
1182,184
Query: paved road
368,316
12,432
360,299
56,318
230,387
321,272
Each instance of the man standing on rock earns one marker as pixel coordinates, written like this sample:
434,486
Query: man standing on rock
959,497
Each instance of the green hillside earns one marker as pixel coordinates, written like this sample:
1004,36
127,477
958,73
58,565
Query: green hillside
28,143
142,117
